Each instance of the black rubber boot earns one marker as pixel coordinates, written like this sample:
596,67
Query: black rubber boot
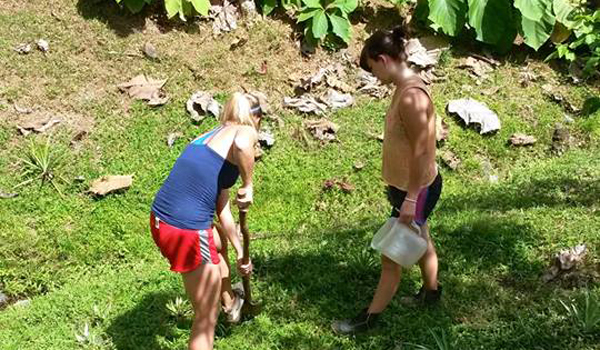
423,297
363,322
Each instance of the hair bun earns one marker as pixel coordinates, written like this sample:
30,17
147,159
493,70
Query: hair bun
398,34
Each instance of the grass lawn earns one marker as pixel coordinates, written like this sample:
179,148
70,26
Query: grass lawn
85,261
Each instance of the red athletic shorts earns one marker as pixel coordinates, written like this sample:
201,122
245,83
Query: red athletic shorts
185,249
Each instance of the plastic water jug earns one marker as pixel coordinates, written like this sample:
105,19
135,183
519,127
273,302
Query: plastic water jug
402,244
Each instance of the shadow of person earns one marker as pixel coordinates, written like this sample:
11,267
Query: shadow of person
142,326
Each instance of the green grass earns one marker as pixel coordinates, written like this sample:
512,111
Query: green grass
91,261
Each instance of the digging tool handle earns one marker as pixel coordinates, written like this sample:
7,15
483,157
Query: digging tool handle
246,259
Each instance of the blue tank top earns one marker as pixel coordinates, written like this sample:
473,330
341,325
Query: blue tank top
188,197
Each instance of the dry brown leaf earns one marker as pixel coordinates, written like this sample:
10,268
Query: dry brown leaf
144,88
450,159
150,51
237,43
37,122
322,129
328,184
490,91
263,68
110,184
43,45
345,187
22,110
23,49
5,195
519,139
441,129
358,165
477,67
79,135
173,137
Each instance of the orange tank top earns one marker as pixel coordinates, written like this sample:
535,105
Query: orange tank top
396,146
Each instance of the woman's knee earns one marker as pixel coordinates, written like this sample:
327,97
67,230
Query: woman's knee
389,265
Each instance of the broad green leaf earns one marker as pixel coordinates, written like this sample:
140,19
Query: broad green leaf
532,9
562,10
341,27
536,33
173,7
268,6
448,14
346,6
313,4
319,25
422,10
308,14
493,21
135,6
290,4
186,9
201,6
560,33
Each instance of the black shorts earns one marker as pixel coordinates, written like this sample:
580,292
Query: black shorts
426,201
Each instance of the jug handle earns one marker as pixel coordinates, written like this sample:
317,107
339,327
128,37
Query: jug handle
415,227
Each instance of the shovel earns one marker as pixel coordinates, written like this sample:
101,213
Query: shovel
250,308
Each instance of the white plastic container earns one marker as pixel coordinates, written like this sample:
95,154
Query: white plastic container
402,244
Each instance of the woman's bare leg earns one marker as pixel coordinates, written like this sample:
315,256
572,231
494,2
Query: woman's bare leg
203,287
388,285
429,264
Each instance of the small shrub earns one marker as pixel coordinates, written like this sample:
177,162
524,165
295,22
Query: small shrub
183,8
584,313
323,17
42,162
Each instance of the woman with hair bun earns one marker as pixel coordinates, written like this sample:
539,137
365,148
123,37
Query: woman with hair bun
409,169
181,218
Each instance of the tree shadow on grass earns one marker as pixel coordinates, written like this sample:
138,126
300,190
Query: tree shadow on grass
124,23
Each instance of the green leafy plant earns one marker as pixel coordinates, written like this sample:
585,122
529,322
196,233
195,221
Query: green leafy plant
441,341
42,162
496,22
585,27
268,6
323,17
179,308
183,8
584,313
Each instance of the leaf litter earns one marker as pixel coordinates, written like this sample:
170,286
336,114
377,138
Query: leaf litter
322,129
200,104
173,137
37,122
109,184
519,139
145,88
150,51
565,260
224,17
472,111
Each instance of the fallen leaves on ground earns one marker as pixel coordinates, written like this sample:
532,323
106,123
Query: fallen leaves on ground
519,139
23,49
322,129
306,104
561,139
450,159
43,45
110,184
266,138
358,165
23,110
173,137
150,51
37,122
200,104
565,260
144,88
472,111
370,85
476,66
342,185
336,100
7,195
425,52
441,129
224,17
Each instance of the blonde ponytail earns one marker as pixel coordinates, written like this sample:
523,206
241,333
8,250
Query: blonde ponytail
238,111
